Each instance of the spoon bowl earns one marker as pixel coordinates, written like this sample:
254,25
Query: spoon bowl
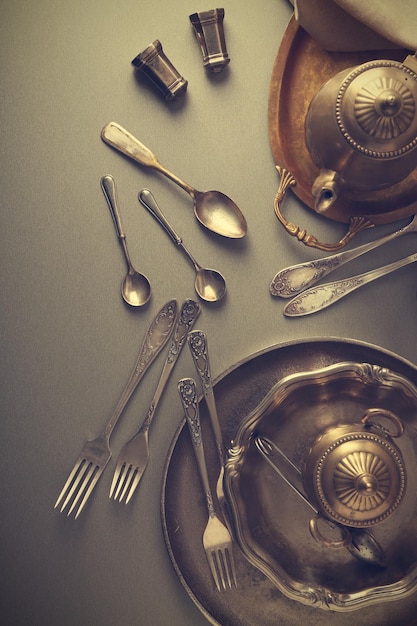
209,284
219,213
213,209
136,288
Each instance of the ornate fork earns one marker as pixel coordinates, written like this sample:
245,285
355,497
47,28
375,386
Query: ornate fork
96,453
217,541
197,342
134,456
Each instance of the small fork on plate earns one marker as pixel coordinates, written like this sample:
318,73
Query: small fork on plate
217,540
96,453
198,344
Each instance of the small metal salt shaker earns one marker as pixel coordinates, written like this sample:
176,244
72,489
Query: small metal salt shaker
154,63
208,28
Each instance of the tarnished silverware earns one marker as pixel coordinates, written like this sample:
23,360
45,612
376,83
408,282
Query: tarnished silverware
96,453
136,289
318,298
134,456
217,541
197,342
213,209
209,284
292,280
359,542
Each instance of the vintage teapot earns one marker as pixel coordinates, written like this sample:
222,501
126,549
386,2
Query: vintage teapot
361,129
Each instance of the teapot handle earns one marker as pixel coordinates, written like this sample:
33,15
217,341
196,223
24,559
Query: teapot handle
356,224
370,413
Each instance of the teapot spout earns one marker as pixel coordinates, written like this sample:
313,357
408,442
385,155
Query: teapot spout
326,189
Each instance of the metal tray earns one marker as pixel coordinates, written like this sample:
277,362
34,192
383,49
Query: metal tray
238,391
272,522
300,68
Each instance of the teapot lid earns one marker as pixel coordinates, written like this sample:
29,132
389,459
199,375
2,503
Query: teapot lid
359,477
376,109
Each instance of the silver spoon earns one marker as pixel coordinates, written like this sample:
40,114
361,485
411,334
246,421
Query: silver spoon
292,280
318,298
136,289
213,209
361,543
209,284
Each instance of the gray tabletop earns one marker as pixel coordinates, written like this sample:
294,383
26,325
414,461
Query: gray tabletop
69,341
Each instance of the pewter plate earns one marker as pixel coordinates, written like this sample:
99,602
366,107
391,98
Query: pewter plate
239,390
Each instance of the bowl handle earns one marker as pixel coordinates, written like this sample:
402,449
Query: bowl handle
356,224
371,413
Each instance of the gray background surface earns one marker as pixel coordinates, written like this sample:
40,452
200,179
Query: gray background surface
68,341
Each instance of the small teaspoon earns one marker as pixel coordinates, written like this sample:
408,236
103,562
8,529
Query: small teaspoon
209,284
135,289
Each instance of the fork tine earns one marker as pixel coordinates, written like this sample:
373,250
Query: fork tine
68,483
128,482
134,484
117,481
90,468
230,567
220,556
123,482
214,566
96,475
73,480
116,476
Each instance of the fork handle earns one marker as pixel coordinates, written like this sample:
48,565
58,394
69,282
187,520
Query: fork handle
188,394
157,335
190,310
197,342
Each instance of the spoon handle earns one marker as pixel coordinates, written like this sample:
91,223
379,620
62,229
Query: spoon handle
318,298
123,141
108,186
292,280
119,138
149,202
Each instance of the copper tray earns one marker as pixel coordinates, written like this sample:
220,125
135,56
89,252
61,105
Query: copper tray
238,391
300,68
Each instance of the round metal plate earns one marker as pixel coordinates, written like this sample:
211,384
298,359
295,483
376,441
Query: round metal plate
256,600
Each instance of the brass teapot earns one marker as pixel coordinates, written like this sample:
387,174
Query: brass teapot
361,129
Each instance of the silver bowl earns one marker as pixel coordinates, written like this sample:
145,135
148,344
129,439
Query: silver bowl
271,523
